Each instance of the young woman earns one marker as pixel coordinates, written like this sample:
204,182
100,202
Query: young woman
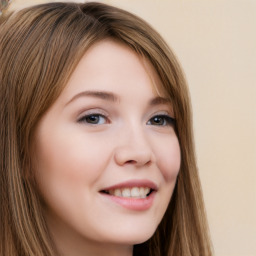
97,153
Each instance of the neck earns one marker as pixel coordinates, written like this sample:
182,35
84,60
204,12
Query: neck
94,249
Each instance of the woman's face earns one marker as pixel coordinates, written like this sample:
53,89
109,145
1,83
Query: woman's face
106,154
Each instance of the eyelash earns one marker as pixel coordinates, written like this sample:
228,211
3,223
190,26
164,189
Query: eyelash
99,119
95,116
167,120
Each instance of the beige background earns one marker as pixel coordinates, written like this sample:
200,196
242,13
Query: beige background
216,44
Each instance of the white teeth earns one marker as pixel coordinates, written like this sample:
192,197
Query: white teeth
135,192
146,190
117,192
126,192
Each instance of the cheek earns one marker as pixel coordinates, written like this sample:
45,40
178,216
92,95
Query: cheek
69,163
169,158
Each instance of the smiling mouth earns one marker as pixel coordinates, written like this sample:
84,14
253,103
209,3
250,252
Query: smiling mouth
134,195
134,192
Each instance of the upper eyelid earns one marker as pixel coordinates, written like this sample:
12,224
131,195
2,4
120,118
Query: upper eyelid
162,113
109,113
93,111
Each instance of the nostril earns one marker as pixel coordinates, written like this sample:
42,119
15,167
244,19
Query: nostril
131,161
138,162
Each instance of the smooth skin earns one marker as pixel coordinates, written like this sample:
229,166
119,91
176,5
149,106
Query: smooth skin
108,126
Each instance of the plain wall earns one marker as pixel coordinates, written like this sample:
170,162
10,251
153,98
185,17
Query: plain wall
215,42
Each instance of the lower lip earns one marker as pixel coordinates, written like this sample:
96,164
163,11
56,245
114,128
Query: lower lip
135,204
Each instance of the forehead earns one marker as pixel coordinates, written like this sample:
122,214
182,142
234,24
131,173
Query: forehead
113,62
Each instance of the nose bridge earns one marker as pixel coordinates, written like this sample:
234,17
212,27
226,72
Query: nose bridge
134,146
136,136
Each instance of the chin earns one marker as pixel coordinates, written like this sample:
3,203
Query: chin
135,236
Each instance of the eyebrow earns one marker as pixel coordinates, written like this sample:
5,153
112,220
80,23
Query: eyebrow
159,101
109,96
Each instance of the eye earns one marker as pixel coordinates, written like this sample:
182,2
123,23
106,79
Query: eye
94,119
161,120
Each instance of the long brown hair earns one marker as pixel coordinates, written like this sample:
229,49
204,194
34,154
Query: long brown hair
40,47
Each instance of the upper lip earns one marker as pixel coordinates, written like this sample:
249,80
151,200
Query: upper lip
133,183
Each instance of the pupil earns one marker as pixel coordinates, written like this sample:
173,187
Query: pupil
158,120
93,119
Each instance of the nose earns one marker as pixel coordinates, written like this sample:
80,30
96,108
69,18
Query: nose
134,150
